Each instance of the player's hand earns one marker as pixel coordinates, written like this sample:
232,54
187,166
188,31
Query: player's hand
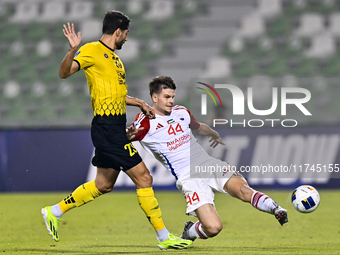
73,39
132,131
215,140
148,111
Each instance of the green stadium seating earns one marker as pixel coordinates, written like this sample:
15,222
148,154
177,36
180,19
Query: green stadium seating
245,69
73,111
306,68
234,47
36,31
275,50
281,26
10,32
262,47
4,72
295,7
26,73
4,11
135,70
17,112
55,32
276,68
49,72
152,49
332,67
170,29
321,6
133,8
142,29
187,8
289,47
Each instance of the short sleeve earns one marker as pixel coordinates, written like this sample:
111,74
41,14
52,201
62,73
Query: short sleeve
141,121
85,56
194,124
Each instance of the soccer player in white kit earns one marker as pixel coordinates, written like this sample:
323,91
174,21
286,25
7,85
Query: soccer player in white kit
169,139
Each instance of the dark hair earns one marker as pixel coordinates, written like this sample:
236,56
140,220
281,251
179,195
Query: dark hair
161,82
114,20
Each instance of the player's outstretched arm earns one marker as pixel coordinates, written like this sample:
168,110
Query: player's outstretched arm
68,66
205,130
144,107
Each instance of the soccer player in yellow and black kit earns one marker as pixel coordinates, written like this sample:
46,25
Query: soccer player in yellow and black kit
113,151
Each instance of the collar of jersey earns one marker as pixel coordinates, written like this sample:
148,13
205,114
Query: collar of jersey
106,46
165,116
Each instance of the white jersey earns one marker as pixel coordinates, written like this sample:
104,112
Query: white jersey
169,139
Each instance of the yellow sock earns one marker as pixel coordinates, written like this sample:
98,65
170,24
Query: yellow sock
149,205
82,195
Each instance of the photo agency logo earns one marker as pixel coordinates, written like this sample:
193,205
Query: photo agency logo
204,97
296,96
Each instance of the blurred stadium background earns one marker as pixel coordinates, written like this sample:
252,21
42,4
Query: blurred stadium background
282,42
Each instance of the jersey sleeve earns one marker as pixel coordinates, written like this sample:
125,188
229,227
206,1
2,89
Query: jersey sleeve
194,124
141,121
85,56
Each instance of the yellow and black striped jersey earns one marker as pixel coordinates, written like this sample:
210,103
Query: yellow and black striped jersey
105,76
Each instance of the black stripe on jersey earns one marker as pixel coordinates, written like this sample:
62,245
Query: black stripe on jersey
77,63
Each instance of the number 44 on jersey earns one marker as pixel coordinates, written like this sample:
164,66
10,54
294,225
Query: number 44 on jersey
174,131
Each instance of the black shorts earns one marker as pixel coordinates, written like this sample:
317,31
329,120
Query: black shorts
112,147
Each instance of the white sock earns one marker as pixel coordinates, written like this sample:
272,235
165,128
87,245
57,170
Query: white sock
262,202
196,231
162,234
56,211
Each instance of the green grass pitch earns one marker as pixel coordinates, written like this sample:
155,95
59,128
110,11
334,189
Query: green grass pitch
114,224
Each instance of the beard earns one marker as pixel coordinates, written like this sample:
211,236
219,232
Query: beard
119,45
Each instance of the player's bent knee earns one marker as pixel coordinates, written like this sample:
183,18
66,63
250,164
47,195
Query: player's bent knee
105,190
148,179
144,181
141,176
104,187
213,230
